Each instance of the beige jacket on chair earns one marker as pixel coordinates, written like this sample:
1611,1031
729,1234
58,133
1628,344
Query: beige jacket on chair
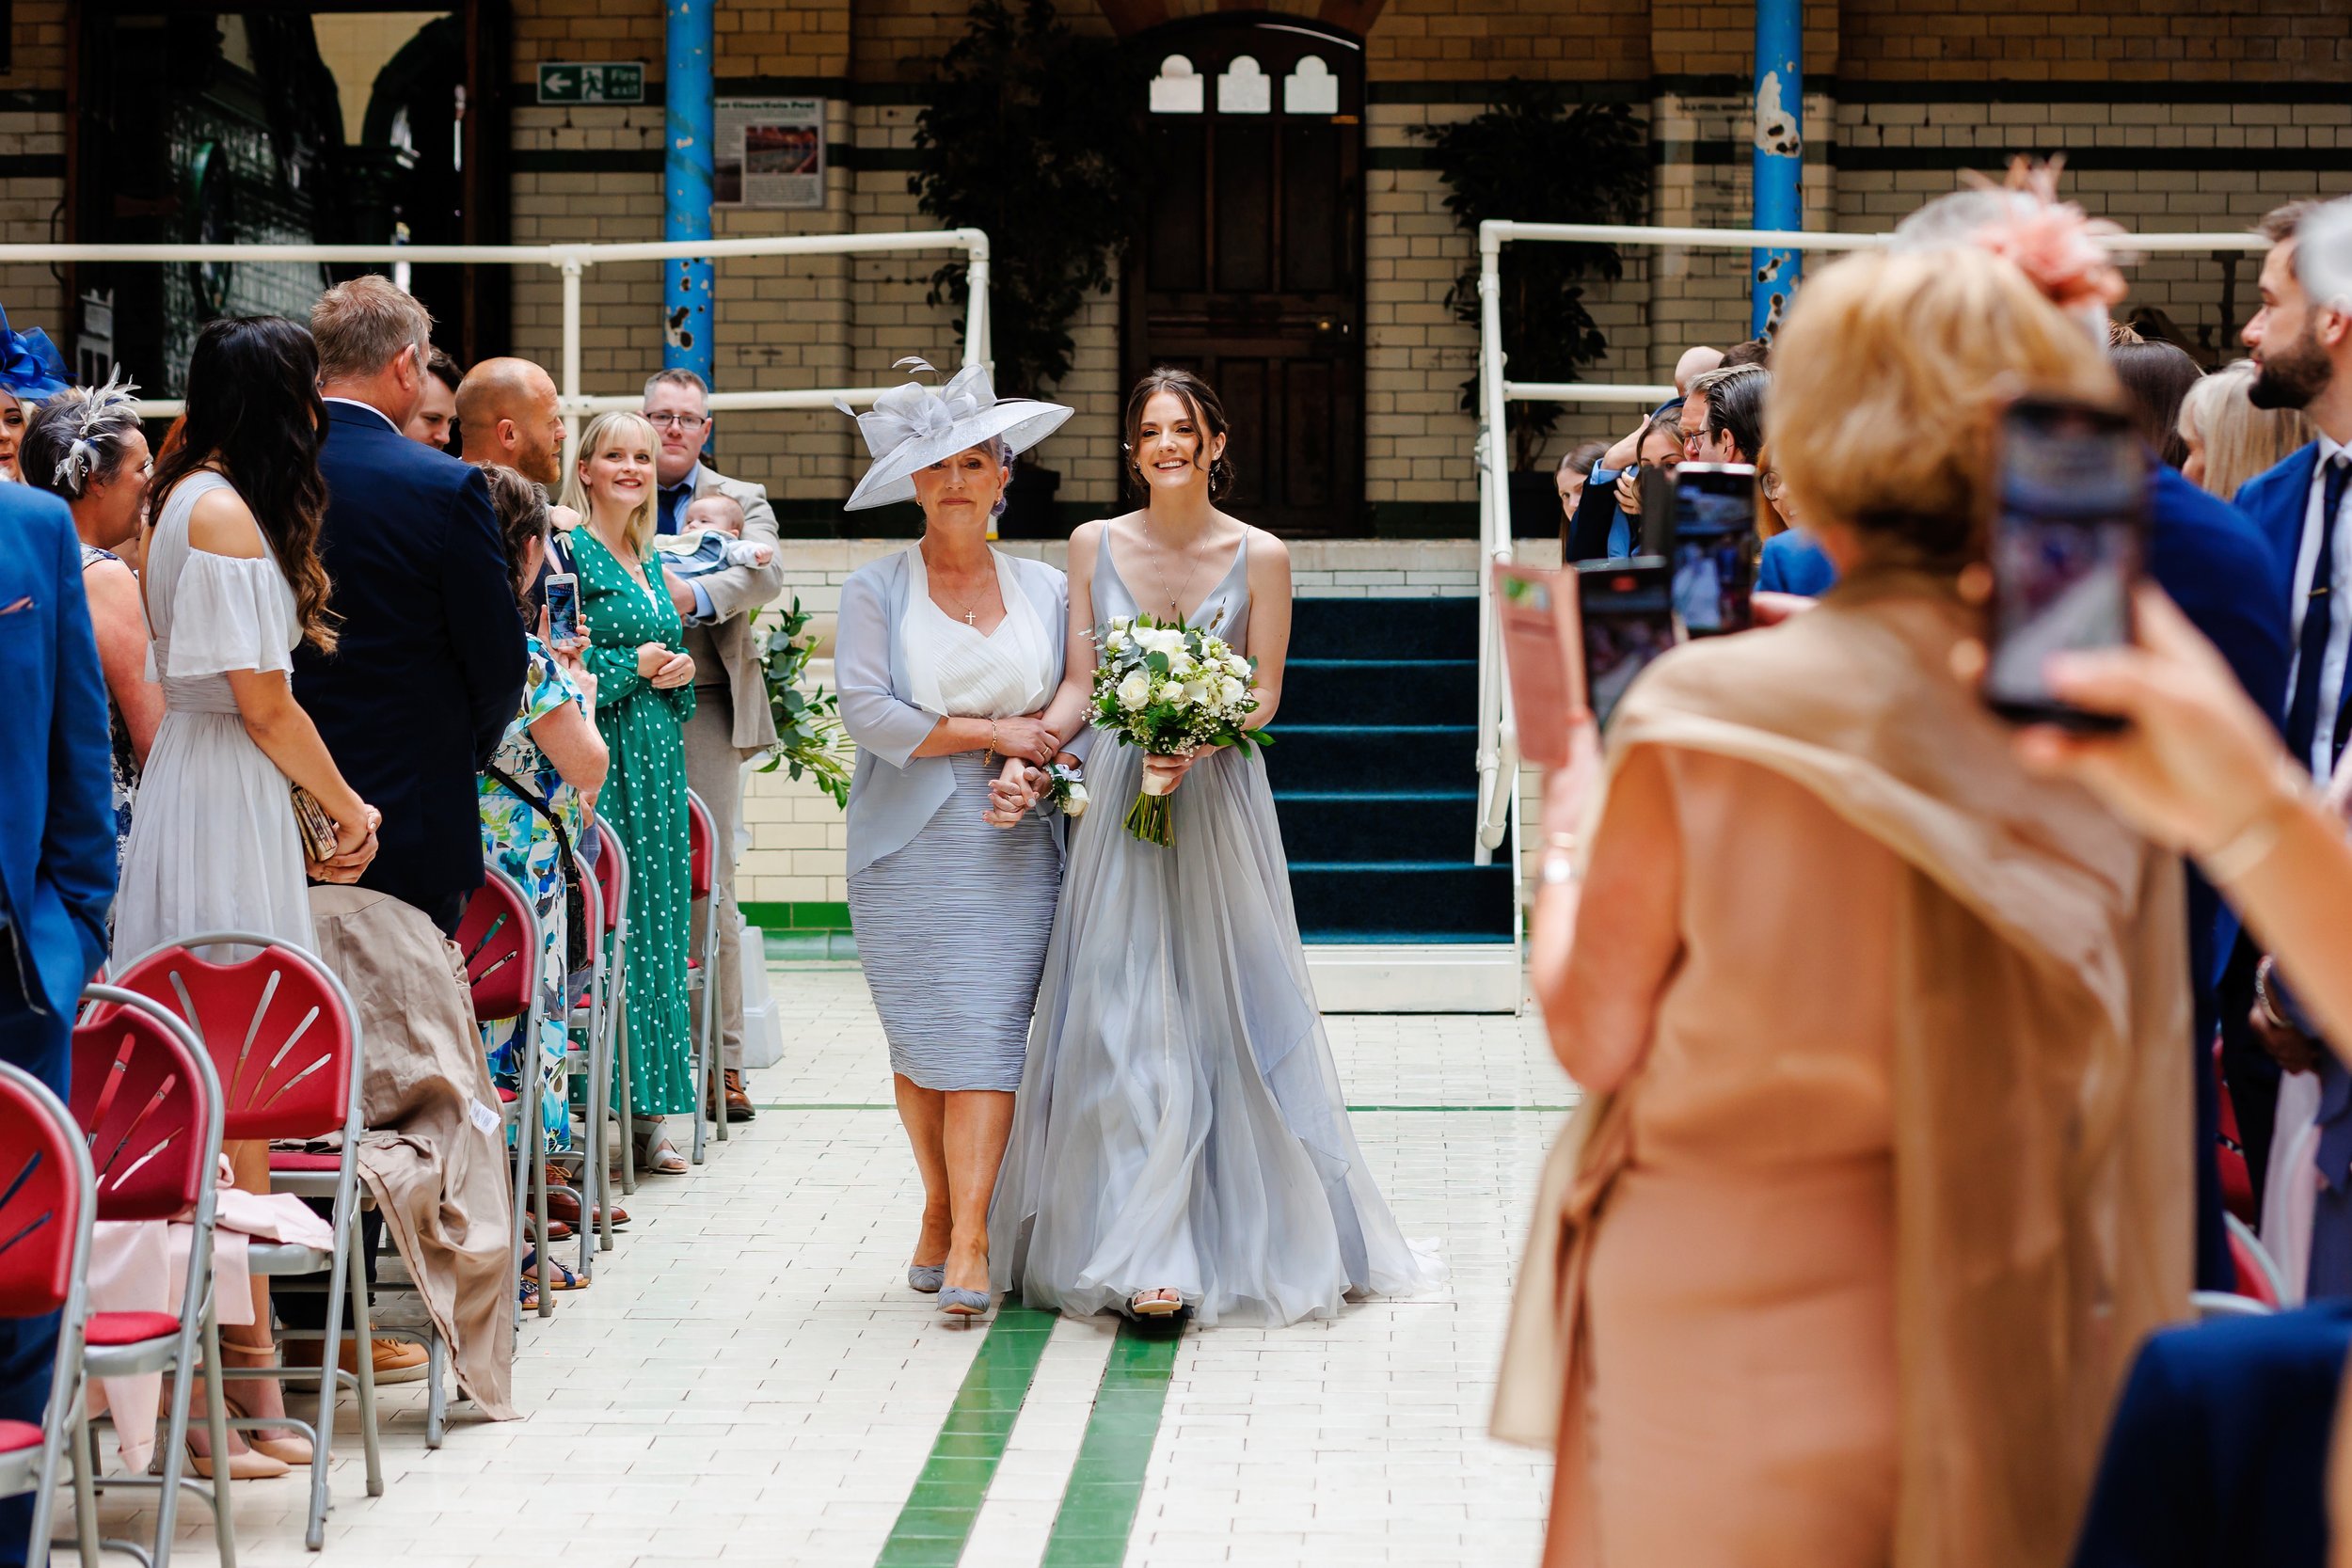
730,643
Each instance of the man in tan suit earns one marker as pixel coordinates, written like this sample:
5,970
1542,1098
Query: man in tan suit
732,720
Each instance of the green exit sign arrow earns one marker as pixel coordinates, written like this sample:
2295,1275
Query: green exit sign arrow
592,82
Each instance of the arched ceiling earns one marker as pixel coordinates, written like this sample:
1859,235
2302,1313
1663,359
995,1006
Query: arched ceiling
1133,16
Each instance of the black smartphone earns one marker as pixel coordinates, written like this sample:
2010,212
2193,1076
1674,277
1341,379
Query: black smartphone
2068,538
1715,547
1625,608
563,595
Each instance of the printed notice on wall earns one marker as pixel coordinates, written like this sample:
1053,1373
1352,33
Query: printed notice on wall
769,153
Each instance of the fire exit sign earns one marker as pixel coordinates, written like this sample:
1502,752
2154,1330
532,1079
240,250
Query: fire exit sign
592,82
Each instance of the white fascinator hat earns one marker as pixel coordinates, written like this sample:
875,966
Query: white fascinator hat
913,426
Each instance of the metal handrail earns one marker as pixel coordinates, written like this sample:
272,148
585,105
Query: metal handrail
1497,750
572,260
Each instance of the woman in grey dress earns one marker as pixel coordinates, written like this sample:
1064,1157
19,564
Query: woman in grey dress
945,655
1180,1140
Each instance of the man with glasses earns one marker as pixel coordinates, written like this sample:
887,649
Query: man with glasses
731,721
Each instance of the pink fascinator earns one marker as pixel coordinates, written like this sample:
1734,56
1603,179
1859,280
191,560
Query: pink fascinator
2053,242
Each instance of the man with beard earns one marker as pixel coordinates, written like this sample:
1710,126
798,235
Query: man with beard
2301,341
507,416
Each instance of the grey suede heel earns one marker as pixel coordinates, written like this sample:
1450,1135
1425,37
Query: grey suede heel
926,1277
962,1304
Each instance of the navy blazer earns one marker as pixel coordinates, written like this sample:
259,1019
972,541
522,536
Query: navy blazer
428,671
2277,500
56,779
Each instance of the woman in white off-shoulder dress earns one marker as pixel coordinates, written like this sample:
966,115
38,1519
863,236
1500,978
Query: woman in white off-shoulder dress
231,584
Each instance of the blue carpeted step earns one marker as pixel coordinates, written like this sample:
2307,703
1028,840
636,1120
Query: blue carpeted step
1383,628
1401,900
1345,825
1396,757
1323,691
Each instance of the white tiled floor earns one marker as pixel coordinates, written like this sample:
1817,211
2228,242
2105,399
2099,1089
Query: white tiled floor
750,1381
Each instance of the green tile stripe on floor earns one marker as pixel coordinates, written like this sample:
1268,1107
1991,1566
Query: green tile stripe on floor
1098,1510
936,1522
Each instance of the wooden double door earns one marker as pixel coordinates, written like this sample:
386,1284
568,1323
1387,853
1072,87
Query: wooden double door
1249,271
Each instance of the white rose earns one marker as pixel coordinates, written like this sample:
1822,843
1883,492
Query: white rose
1182,664
1230,691
1135,690
1172,692
1074,802
1116,641
1160,639
1237,666
1197,693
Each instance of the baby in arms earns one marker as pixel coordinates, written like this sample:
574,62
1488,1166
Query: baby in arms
710,539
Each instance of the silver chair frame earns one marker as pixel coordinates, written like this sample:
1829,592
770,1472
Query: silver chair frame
200,1321
702,985
347,1273
65,1419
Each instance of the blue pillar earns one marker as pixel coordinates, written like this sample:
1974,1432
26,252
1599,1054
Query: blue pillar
1779,154
686,304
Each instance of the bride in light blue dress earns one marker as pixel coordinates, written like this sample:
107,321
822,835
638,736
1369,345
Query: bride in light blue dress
1180,1140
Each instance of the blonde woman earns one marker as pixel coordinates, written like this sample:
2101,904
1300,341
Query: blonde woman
644,695
1842,1259
2230,440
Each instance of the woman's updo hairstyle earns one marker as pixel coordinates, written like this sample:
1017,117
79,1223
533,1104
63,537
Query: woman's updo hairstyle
78,437
1888,379
1208,416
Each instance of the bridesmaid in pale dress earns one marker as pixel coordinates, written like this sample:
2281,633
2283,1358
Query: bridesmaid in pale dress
1180,1141
233,582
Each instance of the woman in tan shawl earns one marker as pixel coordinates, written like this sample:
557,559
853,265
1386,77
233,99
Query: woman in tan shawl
1881,1170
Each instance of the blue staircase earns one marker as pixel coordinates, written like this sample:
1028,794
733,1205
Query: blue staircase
1372,774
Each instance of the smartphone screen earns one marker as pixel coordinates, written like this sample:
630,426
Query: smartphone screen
563,594
1626,614
1715,547
1544,681
2068,535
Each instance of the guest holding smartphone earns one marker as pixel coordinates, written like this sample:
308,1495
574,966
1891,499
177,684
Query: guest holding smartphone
538,796
1877,1032
646,685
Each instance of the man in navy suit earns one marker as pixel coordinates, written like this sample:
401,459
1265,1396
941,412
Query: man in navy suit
428,672
56,862
428,667
2302,348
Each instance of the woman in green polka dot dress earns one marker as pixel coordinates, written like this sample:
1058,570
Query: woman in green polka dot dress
645,694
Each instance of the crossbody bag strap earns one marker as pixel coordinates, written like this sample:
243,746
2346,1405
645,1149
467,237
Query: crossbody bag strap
546,812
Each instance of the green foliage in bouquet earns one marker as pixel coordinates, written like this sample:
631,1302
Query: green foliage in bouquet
1169,689
810,741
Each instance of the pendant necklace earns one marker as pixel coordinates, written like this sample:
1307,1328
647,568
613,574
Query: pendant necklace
1188,578
971,613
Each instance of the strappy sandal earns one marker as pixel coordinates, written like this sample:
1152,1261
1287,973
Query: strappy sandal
1166,1301
559,1278
660,1158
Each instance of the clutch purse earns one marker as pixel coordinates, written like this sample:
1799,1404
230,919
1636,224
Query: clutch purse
316,828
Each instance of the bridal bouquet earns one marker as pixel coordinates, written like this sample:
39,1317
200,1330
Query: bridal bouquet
1170,690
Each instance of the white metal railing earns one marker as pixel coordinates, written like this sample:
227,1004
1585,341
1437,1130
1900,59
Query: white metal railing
1497,755
572,261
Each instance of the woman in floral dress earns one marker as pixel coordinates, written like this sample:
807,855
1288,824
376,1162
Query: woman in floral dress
647,686
544,776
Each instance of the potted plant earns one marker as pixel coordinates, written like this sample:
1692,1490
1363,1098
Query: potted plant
1031,134
810,741
1533,158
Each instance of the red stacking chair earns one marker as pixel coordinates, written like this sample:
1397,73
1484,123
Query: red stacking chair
285,1044
500,939
47,1201
2237,1183
146,1096
701,873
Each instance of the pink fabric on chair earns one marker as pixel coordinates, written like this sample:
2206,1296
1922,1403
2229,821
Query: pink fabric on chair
142,1267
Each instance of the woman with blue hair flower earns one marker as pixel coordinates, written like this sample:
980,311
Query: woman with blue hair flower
31,369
